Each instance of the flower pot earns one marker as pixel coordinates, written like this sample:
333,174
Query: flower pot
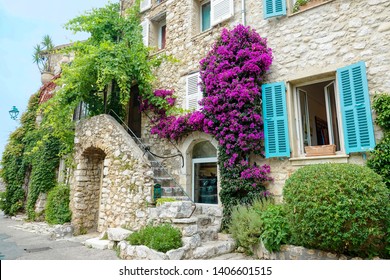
46,77
324,150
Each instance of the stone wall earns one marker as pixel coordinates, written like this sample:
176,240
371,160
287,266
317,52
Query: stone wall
308,45
112,182
291,252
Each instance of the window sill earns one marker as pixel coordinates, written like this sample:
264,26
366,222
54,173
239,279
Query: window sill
309,8
202,34
302,161
155,53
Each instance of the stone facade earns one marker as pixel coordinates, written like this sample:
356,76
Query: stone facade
307,46
112,183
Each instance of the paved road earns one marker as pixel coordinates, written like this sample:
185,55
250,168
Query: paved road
16,244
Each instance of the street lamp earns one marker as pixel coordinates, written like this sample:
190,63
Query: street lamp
14,112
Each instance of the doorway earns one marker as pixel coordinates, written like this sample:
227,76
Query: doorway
134,116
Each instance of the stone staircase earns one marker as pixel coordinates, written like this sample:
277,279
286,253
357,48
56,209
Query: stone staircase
169,187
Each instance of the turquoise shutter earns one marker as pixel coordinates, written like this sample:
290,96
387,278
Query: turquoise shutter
355,108
274,8
275,120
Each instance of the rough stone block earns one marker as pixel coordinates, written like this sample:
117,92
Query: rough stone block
192,242
118,234
190,230
96,243
177,254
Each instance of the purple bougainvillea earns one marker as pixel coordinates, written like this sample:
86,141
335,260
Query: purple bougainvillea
231,76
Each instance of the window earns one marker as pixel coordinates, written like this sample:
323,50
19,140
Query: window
205,18
204,173
275,8
193,92
154,31
208,13
81,111
162,35
316,115
331,112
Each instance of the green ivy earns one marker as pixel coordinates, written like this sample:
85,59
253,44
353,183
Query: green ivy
43,175
57,207
379,160
109,62
16,160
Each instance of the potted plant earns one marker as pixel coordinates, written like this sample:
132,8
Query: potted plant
42,57
301,5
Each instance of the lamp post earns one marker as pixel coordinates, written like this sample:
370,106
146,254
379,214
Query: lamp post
14,112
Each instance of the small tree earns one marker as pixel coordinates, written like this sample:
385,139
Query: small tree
42,54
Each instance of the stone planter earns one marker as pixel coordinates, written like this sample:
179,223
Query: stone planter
324,150
46,77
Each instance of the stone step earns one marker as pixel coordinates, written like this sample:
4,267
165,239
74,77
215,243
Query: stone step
178,198
212,249
209,233
97,243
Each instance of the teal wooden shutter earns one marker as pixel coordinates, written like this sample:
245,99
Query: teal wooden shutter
355,108
274,8
275,120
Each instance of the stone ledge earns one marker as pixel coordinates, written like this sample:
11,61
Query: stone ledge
291,252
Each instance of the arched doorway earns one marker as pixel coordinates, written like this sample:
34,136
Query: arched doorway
88,183
204,173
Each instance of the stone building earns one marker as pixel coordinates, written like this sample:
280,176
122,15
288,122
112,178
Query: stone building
330,58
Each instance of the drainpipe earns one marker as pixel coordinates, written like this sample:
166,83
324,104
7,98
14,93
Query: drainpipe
243,18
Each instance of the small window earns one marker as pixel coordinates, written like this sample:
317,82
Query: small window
81,111
205,16
162,36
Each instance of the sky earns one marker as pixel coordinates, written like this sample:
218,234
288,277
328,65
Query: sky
23,23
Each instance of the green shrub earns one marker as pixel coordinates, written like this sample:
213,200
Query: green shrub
342,208
161,238
275,227
57,207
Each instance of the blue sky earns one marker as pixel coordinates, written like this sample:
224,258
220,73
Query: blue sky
23,23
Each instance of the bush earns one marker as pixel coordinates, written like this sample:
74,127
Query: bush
162,200
161,238
275,227
245,227
342,208
57,207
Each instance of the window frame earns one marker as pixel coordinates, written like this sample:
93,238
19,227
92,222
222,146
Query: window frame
161,42
203,3
297,142
202,160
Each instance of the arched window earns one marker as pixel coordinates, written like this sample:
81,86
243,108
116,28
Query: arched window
204,173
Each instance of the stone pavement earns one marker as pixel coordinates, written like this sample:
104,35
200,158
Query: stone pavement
20,240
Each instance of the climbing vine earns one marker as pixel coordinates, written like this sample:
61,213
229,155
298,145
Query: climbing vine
231,76
15,161
106,65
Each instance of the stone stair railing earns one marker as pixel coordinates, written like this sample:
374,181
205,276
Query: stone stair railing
169,187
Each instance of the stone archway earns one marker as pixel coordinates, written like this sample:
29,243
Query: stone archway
87,187
112,182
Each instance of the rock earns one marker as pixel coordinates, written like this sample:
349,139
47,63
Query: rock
192,242
190,230
96,243
118,234
176,254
